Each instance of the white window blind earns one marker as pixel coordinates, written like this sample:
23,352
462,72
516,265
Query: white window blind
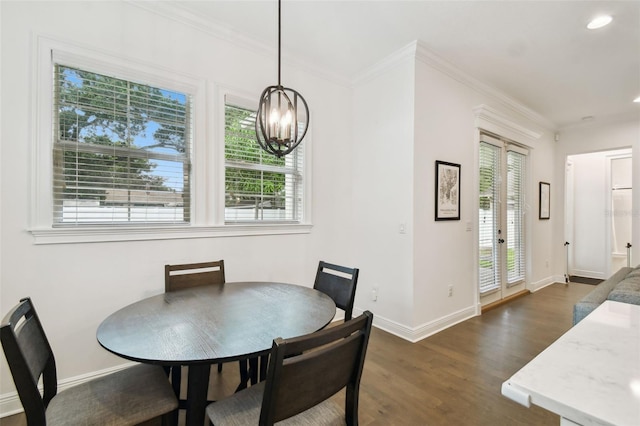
516,169
259,187
121,151
489,217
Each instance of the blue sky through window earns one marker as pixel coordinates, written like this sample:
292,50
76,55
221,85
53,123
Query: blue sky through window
162,129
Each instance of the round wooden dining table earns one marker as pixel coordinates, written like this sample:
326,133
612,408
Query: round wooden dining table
208,324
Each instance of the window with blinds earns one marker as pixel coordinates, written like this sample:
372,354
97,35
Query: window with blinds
121,151
259,187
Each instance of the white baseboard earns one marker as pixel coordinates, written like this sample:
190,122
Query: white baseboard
415,334
10,402
538,285
589,274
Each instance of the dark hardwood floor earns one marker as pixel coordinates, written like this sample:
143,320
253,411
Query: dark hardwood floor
453,377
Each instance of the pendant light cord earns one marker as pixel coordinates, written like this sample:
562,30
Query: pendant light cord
279,42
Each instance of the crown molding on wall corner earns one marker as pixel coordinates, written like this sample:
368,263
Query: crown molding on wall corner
180,13
417,49
434,60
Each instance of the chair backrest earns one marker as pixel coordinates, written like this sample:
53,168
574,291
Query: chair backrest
178,277
339,283
30,357
306,370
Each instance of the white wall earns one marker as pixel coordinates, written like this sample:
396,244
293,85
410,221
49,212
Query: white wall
382,180
447,126
394,184
444,250
594,137
75,286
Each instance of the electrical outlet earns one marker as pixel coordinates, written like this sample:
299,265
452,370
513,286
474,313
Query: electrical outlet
374,294
450,290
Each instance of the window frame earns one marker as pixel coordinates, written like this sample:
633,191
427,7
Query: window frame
207,152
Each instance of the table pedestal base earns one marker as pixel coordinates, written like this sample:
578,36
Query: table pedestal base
197,388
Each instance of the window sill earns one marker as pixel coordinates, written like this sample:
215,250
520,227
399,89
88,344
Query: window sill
126,233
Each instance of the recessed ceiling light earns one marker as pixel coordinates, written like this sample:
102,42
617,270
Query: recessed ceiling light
599,22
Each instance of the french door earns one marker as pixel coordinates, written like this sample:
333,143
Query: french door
501,230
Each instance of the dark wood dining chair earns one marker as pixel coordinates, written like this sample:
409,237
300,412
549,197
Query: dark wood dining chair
339,283
304,372
187,275
127,397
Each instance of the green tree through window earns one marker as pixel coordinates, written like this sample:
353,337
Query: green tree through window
258,186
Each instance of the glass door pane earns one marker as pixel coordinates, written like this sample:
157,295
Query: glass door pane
515,218
489,219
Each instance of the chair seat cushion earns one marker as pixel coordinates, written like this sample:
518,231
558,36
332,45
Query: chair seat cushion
243,408
127,397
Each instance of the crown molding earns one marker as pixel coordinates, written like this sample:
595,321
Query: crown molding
181,13
435,61
418,50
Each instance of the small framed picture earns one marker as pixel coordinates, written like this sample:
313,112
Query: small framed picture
545,201
447,191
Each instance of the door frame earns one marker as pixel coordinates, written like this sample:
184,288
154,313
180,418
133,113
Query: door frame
498,122
505,291
569,211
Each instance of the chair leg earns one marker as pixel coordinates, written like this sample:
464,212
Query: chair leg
176,378
170,419
253,370
243,365
351,406
264,361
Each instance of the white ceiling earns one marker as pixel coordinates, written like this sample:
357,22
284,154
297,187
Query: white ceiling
537,52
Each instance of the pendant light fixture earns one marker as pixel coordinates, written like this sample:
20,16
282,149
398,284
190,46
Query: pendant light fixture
281,114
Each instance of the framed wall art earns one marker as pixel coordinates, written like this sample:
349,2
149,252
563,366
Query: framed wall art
447,191
545,201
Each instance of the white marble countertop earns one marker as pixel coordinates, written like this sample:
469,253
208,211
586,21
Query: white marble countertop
591,374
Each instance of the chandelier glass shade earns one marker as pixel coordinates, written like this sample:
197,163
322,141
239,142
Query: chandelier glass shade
283,115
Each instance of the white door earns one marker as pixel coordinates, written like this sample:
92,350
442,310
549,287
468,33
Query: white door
502,177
